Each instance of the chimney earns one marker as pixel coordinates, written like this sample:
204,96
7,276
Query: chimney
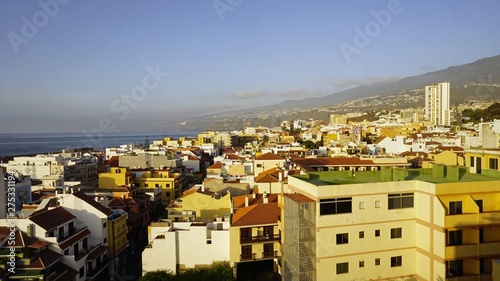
280,176
254,195
202,188
286,174
246,201
264,198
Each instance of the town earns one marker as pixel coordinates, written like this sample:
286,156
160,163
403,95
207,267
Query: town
409,194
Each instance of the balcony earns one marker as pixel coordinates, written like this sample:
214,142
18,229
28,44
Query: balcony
461,251
270,255
259,238
489,248
247,257
461,220
95,272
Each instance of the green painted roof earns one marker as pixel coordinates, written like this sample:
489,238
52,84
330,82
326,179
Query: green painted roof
345,177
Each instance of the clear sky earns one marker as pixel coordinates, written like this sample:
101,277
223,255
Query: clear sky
67,65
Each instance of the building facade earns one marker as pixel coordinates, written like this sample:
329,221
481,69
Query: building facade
437,103
393,224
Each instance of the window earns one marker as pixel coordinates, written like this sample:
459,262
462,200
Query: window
456,268
82,272
455,237
105,240
396,233
342,238
377,204
361,263
335,206
479,203
259,165
361,234
104,225
361,205
481,235
455,207
494,164
342,268
472,161
396,261
377,232
377,261
400,200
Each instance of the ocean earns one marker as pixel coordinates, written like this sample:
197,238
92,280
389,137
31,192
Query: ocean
27,144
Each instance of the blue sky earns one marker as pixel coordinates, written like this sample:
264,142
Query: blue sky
72,70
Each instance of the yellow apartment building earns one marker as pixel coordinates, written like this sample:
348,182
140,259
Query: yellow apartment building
116,176
483,161
117,233
393,224
170,182
255,241
198,204
400,130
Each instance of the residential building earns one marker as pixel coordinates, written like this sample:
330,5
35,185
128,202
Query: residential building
437,103
188,244
483,161
267,161
116,176
201,205
169,181
255,238
392,224
490,134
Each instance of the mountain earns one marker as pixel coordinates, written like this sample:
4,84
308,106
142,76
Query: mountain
479,80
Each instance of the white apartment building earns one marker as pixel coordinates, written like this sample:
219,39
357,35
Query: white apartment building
181,245
437,103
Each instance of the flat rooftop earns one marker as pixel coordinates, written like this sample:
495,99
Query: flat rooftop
426,175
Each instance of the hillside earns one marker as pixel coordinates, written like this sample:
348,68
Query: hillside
479,80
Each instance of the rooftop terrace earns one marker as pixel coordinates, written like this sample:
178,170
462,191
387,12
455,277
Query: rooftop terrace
437,174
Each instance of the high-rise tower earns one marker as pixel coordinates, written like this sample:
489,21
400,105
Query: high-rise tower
437,103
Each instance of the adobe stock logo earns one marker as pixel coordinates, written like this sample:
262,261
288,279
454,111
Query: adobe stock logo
39,19
221,7
363,37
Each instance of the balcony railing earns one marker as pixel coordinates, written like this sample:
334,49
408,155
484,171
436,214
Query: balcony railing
272,254
259,238
246,257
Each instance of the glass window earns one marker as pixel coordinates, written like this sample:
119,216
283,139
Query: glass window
377,233
400,200
361,234
342,268
335,206
342,238
455,207
396,261
396,233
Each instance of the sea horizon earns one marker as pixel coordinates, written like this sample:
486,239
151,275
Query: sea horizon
19,144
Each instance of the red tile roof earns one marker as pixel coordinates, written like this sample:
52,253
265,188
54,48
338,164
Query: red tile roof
97,251
259,214
217,165
44,259
299,198
75,238
50,219
269,156
239,201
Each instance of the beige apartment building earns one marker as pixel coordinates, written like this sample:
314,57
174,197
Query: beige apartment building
395,224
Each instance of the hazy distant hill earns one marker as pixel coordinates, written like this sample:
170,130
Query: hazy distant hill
483,71
479,80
